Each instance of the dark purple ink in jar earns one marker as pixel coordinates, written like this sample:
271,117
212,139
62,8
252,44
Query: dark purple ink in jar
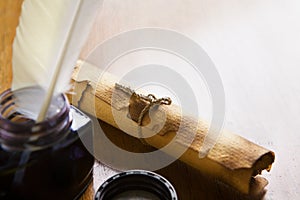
45,160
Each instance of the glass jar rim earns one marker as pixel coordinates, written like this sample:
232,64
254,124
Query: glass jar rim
7,94
19,135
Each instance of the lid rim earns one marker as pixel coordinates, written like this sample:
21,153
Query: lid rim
136,180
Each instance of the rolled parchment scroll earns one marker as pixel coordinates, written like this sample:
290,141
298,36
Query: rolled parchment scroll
233,160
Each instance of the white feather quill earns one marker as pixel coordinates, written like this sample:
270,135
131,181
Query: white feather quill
48,42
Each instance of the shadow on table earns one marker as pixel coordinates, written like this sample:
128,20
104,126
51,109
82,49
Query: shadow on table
189,183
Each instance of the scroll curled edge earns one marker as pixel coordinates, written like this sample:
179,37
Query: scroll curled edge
233,159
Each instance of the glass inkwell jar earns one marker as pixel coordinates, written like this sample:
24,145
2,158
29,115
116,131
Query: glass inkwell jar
44,160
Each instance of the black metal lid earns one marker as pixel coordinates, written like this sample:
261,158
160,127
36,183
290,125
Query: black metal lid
136,184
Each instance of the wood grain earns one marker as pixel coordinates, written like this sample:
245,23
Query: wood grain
9,18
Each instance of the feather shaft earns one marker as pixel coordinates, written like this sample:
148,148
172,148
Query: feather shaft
46,104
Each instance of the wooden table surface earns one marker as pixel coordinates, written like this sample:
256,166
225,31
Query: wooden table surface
255,46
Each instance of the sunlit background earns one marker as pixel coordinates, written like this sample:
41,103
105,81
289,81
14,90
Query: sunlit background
255,46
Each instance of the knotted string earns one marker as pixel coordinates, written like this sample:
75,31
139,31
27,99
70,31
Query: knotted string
151,102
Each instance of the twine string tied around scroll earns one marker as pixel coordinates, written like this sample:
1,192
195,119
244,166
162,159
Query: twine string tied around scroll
140,105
